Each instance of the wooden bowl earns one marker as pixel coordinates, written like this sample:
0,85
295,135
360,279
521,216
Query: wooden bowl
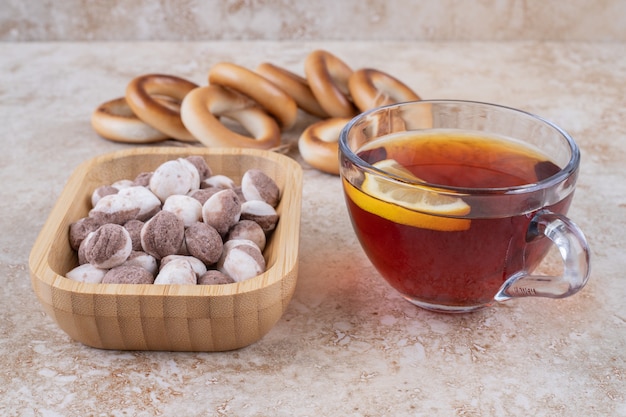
167,317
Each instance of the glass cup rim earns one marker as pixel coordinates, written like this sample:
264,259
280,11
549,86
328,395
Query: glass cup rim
549,182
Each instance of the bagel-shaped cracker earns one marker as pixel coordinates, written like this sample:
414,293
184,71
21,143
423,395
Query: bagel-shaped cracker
372,88
294,85
269,96
141,93
114,120
202,108
319,144
328,77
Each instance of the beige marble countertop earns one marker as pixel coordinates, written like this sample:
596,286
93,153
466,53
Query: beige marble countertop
347,344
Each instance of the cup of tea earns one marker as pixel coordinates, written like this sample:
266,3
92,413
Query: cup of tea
456,203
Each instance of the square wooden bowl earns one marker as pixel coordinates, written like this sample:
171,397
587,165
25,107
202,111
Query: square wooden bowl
167,317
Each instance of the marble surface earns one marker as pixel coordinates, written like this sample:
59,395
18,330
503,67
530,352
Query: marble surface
347,344
205,20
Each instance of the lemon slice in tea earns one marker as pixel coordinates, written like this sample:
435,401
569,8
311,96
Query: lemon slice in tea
413,207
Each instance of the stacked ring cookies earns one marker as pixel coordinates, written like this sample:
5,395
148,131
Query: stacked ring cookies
372,88
201,111
264,102
140,94
342,93
328,78
273,99
149,111
298,87
116,121
318,144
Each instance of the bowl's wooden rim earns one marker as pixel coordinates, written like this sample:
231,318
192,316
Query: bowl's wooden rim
285,260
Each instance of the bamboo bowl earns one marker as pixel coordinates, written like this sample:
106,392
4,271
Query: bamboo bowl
167,317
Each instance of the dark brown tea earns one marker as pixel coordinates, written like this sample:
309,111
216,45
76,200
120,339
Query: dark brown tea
439,250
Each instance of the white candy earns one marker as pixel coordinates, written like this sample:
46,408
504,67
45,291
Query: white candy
121,184
86,273
219,181
172,177
143,260
193,170
241,259
177,271
196,264
233,243
187,208
145,199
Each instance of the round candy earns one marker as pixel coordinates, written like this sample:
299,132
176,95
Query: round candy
222,210
163,234
107,247
128,274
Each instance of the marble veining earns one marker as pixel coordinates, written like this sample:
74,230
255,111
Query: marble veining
189,20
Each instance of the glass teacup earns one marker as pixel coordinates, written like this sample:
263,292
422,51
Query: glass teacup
456,203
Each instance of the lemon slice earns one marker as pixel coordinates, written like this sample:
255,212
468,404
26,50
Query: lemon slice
393,167
405,205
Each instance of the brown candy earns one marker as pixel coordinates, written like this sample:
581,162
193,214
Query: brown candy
128,274
80,229
107,247
143,179
134,230
203,194
204,171
100,192
163,234
249,230
204,242
214,277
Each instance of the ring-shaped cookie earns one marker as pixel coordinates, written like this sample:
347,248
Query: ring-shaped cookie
319,144
202,108
294,85
372,88
114,120
269,96
141,93
328,77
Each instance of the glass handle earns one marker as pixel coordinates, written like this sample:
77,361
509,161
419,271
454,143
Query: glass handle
574,250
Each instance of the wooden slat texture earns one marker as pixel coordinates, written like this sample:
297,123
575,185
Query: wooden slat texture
167,317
